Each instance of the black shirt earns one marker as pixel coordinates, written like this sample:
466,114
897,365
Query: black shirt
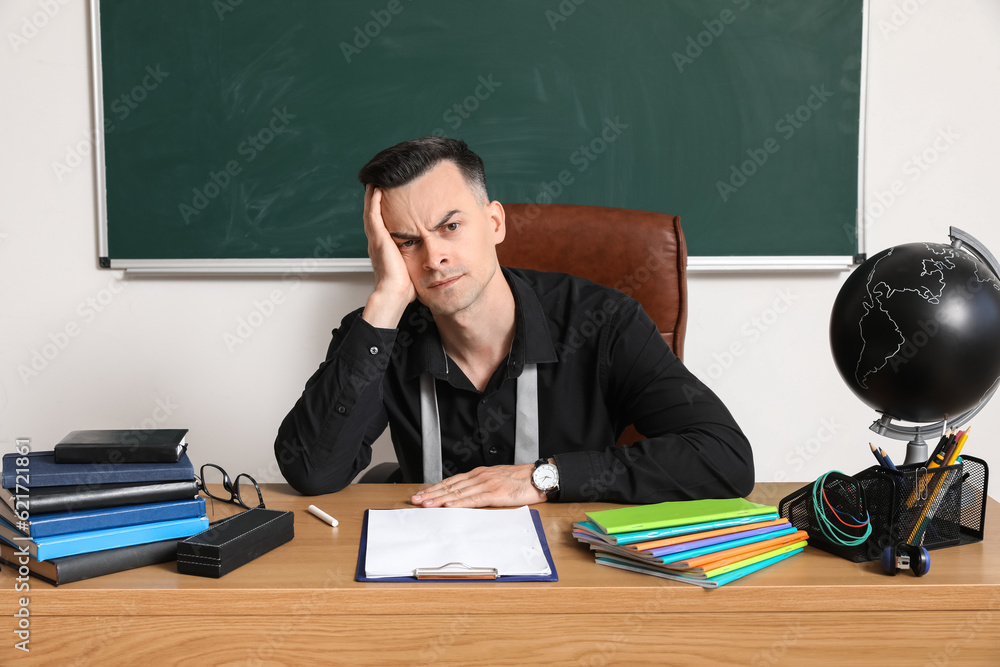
601,364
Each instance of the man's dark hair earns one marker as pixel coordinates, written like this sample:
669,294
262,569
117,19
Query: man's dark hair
409,160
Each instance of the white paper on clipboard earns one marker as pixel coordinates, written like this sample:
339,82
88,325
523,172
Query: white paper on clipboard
401,541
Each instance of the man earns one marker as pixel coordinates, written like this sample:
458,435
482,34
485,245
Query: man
491,393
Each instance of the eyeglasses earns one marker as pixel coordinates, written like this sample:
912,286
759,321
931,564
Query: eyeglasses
239,493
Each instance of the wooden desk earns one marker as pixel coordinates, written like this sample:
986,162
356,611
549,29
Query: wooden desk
300,605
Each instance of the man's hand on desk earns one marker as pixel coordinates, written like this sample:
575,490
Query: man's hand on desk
493,486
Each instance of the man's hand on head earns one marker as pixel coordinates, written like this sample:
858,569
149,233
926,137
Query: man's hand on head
493,486
393,288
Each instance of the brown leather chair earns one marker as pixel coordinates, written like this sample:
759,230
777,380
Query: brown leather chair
638,252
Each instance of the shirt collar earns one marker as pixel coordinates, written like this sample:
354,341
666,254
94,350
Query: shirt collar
532,340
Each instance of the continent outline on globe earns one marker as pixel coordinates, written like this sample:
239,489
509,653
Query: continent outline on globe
914,333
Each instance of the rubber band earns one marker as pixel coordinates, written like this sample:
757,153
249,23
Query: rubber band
828,528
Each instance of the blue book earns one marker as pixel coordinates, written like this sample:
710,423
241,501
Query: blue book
61,523
47,548
42,470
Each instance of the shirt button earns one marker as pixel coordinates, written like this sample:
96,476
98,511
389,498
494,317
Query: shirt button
373,350
493,450
341,409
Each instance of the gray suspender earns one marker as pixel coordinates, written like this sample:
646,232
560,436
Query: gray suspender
525,432
526,420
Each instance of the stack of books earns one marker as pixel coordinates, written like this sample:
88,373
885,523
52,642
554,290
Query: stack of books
73,521
703,542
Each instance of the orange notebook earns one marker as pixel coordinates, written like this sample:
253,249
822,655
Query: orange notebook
713,560
680,539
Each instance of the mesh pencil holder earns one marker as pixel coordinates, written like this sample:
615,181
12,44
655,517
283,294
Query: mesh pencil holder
936,507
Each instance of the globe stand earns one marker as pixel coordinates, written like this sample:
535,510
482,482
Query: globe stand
916,447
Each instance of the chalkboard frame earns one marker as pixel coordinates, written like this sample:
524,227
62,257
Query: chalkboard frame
306,265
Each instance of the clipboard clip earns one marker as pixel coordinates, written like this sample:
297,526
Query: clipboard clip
449,571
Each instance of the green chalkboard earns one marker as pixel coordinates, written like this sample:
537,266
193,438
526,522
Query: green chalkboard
233,129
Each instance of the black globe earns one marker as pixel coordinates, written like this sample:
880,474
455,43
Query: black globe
915,331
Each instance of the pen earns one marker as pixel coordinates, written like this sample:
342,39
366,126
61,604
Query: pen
942,443
323,515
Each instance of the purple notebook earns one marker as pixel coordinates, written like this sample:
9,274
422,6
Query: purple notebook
709,541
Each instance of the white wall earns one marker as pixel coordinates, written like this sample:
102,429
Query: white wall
154,348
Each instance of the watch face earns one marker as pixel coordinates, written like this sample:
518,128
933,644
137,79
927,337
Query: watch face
545,477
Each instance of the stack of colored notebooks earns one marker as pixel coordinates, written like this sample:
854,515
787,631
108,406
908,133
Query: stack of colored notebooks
72,521
703,542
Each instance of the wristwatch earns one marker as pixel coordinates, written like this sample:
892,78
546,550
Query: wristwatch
545,478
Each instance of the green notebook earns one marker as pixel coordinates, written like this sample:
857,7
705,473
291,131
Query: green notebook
676,513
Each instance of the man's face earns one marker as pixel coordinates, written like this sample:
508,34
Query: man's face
447,236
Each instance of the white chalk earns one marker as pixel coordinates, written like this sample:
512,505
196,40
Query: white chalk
323,515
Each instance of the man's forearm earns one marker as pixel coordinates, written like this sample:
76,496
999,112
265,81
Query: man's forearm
325,440
714,462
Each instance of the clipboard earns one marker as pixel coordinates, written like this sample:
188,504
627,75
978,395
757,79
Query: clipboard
465,572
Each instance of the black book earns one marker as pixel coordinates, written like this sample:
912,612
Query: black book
45,499
158,445
93,564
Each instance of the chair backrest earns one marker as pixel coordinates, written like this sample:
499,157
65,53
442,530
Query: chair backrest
638,252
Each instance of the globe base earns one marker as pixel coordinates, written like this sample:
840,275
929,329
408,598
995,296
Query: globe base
916,452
